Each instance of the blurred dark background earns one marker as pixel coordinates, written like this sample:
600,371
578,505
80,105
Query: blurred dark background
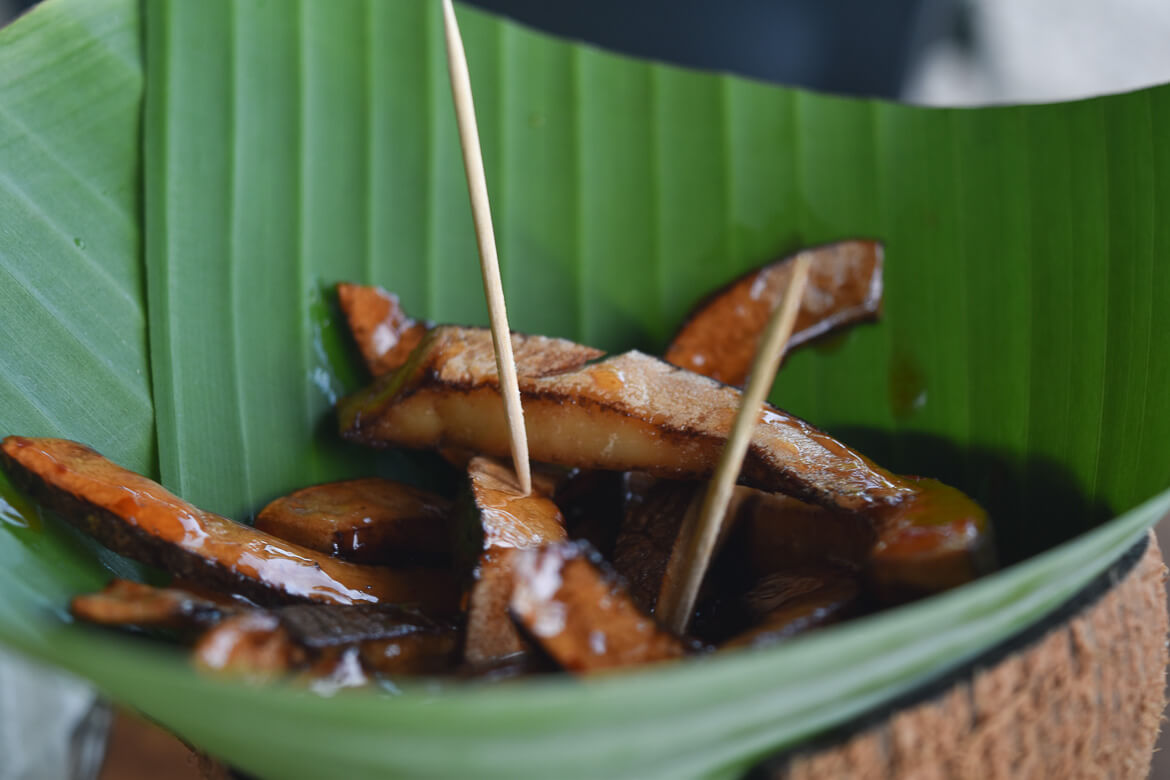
849,46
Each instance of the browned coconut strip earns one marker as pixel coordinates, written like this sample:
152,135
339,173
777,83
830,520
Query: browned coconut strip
502,521
581,615
629,412
126,603
364,520
384,332
137,517
720,337
785,604
326,641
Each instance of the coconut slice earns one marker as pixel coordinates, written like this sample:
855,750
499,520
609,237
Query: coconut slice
721,336
364,520
138,518
581,615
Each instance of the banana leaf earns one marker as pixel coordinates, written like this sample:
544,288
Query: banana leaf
189,332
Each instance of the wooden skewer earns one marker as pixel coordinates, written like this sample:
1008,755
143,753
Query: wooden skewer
485,237
700,531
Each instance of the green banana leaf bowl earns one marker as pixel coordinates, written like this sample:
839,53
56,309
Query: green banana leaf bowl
182,182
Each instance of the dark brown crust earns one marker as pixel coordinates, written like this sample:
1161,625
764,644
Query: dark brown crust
592,504
327,625
647,536
720,336
774,533
785,604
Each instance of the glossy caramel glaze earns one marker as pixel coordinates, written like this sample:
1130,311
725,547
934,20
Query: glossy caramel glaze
631,412
137,517
126,603
502,521
506,518
785,604
384,333
939,540
720,337
580,614
364,520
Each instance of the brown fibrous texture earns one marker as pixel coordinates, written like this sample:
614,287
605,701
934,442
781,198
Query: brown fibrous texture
1085,700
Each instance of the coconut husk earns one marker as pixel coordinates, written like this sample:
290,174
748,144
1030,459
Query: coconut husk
1080,697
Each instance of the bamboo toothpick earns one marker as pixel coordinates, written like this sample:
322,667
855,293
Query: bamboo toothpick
700,531
485,237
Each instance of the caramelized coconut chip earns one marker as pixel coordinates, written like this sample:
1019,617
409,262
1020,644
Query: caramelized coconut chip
629,413
773,533
500,522
365,521
580,613
126,603
783,605
634,412
653,516
939,541
720,337
384,333
138,518
324,641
